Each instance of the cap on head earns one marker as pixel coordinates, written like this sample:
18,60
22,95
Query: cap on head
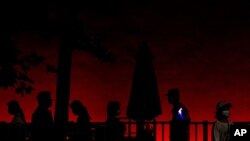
173,96
174,92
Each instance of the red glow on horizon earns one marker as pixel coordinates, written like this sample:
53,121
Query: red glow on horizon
204,78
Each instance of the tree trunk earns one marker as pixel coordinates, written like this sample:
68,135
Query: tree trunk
63,88
64,73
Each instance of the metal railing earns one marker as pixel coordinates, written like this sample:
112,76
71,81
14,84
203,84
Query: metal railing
201,131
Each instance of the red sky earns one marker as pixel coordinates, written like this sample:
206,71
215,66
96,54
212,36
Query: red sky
216,71
207,57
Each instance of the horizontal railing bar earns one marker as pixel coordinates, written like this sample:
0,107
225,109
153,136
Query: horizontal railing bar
156,122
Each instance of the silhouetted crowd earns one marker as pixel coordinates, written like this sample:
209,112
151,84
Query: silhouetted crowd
42,124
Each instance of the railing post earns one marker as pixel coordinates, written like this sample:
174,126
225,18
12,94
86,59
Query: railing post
205,130
129,128
162,131
196,131
154,126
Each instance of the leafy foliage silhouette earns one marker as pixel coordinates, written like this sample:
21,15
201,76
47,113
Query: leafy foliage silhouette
50,19
14,67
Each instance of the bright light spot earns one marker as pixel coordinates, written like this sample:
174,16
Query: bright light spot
180,111
67,138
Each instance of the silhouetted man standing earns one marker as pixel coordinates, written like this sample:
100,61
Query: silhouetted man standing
42,121
179,126
114,128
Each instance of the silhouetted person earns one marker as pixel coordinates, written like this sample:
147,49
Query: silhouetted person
114,128
3,131
179,126
83,126
221,128
42,121
16,130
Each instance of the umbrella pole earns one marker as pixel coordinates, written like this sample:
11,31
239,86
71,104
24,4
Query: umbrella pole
139,130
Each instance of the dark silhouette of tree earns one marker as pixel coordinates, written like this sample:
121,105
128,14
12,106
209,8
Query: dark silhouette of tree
17,18
72,36
14,67
50,19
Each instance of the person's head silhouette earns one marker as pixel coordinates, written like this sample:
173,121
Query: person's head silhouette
14,107
223,110
113,109
173,96
79,109
44,99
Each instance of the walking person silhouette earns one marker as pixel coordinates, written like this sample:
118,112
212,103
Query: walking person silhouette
83,126
179,125
114,128
16,128
221,127
42,121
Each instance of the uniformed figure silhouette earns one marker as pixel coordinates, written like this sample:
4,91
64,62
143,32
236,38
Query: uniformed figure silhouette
179,126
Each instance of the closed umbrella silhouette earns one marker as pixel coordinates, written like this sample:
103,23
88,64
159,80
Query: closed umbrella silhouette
144,102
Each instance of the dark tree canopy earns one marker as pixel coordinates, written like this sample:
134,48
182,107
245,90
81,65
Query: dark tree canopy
14,67
49,19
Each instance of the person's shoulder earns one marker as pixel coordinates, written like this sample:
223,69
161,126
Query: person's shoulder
230,122
43,111
222,123
18,120
49,112
39,112
217,124
35,112
184,108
